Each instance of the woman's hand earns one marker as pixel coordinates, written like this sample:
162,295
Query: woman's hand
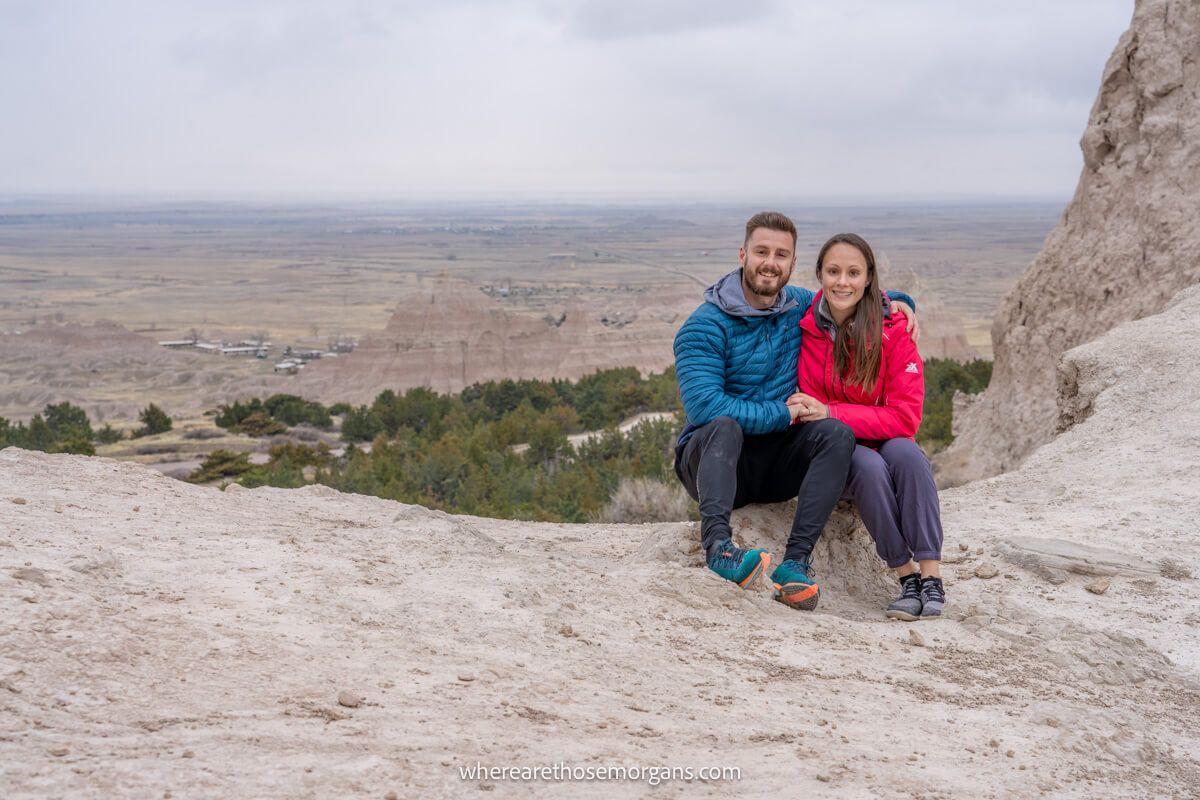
806,408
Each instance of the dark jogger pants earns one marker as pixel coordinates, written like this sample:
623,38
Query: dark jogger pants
724,470
897,498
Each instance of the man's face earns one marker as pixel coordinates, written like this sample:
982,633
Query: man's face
768,258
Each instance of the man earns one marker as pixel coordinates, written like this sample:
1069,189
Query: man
735,360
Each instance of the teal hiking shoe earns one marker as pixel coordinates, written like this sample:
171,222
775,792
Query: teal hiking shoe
794,585
735,564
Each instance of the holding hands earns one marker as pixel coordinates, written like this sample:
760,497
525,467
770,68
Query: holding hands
805,408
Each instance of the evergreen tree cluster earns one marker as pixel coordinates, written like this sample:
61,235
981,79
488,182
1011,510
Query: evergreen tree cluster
498,449
594,402
60,428
274,415
285,468
943,378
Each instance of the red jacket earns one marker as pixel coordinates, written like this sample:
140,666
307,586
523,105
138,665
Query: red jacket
893,409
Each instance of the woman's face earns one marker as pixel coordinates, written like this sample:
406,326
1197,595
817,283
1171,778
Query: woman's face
843,278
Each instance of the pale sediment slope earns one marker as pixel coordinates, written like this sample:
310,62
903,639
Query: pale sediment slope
160,637
447,335
1126,244
113,373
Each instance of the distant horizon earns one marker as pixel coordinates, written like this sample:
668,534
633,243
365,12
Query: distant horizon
571,200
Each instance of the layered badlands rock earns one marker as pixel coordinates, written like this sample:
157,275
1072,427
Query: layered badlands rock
447,335
1127,243
113,373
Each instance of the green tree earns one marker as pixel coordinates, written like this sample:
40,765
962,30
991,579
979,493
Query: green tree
221,464
38,435
107,435
68,422
154,420
361,425
229,416
259,424
292,410
546,442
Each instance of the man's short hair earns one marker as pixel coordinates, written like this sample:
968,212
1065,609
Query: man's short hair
772,221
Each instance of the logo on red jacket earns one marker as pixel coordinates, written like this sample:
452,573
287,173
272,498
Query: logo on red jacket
912,367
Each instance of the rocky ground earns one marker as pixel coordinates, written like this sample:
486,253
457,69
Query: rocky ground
160,639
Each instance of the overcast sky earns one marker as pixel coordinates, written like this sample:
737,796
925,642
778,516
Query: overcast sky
587,99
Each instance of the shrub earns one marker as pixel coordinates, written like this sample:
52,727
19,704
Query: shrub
305,433
292,410
74,444
229,416
221,464
154,420
259,424
108,435
301,455
646,500
203,433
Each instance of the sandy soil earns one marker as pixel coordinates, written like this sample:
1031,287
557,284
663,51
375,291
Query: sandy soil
158,638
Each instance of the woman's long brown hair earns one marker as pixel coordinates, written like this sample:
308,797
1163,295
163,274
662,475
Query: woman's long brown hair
856,350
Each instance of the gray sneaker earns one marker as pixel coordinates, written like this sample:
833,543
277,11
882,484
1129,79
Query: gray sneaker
908,605
933,597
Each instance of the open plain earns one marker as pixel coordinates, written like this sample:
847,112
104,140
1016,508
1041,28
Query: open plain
307,277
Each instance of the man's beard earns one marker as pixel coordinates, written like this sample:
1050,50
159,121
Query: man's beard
765,286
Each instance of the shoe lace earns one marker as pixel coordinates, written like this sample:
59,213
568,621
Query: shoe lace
799,565
910,588
932,589
728,555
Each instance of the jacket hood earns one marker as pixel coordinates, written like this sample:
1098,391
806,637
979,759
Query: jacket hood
727,295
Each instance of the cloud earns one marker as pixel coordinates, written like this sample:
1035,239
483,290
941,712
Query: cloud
596,99
604,20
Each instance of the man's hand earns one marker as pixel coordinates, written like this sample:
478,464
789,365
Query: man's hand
806,408
914,327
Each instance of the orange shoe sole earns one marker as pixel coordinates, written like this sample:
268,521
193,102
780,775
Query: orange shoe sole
802,596
764,561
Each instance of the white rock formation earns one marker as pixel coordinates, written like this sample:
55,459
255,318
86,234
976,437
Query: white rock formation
1127,243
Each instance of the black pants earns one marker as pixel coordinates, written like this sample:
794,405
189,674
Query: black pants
724,470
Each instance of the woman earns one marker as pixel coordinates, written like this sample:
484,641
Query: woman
858,364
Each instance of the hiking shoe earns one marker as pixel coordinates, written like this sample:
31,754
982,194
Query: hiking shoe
794,585
908,605
933,597
736,564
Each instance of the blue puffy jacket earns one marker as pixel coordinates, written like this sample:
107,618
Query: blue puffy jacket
733,360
